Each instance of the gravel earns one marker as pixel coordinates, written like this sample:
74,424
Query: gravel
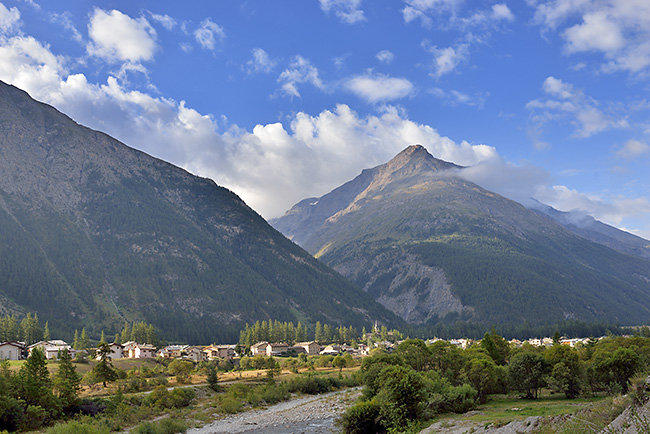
312,414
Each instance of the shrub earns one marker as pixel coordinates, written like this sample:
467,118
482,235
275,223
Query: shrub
75,427
165,426
363,417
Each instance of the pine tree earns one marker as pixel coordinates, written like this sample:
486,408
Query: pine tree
46,331
75,342
126,333
104,368
84,341
102,339
318,333
67,382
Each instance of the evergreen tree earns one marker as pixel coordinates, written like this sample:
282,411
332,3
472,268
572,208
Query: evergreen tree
67,382
126,333
35,385
31,331
212,378
104,369
75,342
46,331
117,339
102,339
84,341
318,333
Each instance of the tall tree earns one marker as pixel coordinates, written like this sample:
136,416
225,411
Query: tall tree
67,382
104,369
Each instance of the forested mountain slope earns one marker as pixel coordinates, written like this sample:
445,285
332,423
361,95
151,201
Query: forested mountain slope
429,244
94,233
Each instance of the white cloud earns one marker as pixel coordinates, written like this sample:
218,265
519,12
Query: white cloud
349,11
379,88
165,20
208,34
9,19
596,32
445,60
619,29
261,62
116,37
421,9
633,149
300,71
385,56
572,105
502,12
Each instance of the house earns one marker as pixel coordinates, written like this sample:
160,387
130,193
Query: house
172,351
51,348
311,348
12,350
259,348
220,352
331,350
276,349
116,351
134,350
195,353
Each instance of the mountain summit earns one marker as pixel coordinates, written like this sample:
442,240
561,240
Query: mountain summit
429,245
94,233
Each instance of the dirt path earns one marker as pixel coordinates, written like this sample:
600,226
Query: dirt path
312,414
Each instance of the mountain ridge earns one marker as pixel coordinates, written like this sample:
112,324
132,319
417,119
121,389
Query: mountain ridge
95,233
431,245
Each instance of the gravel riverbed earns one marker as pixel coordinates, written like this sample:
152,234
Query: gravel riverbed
312,414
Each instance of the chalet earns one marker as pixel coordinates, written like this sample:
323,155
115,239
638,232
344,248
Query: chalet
134,350
311,348
276,349
12,350
195,354
117,351
220,352
259,348
51,348
172,351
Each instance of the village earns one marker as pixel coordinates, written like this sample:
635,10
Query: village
14,350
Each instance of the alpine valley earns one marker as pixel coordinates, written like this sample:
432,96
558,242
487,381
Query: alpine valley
94,233
430,245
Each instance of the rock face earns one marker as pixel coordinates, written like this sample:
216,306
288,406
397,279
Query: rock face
428,244
94,233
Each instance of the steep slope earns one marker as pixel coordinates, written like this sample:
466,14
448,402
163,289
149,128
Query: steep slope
431,245
93,233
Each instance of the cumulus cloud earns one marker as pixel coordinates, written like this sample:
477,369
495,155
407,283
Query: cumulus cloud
375,88
300,71
633,149
348,11
209,34
566,103
260,63
116,37
421,9
385,56
618,29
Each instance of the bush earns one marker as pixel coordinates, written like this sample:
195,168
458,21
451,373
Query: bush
363,417
165,426
162,398
75,427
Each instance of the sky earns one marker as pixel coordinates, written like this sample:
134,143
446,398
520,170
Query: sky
283,100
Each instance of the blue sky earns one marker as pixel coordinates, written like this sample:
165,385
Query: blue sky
282,100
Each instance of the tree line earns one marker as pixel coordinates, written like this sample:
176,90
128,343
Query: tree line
418,381
287,332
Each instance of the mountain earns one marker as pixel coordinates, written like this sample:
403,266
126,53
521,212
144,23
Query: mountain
588,227
94,233
430,246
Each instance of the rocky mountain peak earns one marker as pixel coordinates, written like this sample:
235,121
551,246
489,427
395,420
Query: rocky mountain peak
414,160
